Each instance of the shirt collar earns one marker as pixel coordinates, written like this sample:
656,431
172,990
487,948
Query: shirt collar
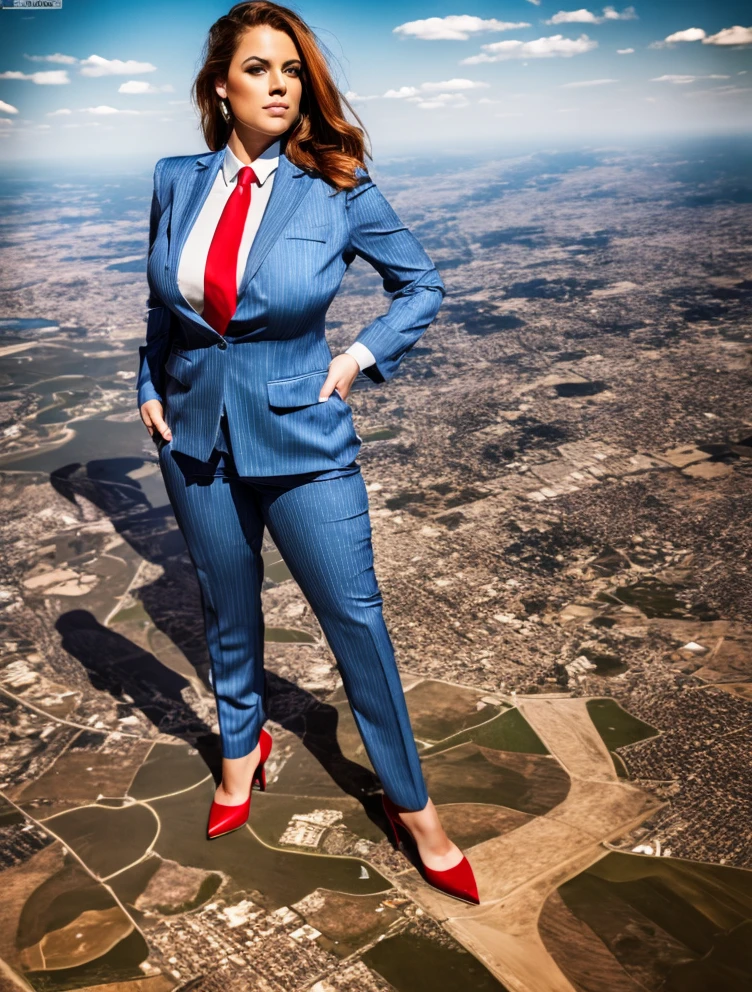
263,166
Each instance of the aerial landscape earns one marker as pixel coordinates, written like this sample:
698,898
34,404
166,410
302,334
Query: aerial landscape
559,482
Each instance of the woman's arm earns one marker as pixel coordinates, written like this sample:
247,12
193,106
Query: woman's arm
379,236
153,354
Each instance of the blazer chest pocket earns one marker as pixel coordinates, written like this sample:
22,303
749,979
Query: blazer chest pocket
178,367
313,232
296,390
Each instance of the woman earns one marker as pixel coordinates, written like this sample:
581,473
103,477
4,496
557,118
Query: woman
238,387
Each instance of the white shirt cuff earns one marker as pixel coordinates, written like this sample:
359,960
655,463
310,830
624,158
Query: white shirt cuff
362,355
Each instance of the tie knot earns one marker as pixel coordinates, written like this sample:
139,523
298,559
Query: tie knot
246,176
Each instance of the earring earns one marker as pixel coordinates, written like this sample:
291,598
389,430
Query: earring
224,109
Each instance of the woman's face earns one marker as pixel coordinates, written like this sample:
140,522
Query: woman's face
265,70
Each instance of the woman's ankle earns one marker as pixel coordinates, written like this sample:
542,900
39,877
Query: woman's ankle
238,773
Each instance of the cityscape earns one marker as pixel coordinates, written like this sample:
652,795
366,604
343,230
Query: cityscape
559,480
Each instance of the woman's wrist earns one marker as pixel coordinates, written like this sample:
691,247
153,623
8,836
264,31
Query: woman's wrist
352,358
362,355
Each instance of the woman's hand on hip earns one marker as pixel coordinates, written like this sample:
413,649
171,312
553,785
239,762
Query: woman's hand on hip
343,371
152,415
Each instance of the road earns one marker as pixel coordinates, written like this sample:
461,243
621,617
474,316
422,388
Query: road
518,871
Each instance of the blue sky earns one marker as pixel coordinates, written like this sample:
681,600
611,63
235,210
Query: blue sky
106,80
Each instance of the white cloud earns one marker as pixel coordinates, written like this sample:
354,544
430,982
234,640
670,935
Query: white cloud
583,16
427,96
689,34
103,110
5,120
670,40
734,36
454,27
354,97
402,93
588,82
682,79
63,111
8,108
628,14
550,47
95,65
573,17
55,77
673,78
140,86
722,91
405,92
730,36
624,51
456,84
57,57
440,100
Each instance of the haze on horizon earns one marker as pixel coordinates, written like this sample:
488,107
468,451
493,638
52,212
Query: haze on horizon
109,81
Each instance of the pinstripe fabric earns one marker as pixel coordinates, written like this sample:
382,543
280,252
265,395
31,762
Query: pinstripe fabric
320,525
252,446
267,372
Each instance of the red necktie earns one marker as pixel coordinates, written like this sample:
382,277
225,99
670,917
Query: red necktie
220,275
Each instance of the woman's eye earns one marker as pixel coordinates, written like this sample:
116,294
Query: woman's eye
253,69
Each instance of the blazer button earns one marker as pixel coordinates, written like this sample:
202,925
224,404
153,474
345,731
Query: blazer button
222,344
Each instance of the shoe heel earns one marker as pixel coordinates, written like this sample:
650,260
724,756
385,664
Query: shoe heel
223,819
393,824
397,839
259,776
458,881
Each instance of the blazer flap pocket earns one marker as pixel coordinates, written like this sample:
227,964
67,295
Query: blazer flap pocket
296,390
178,367
311,232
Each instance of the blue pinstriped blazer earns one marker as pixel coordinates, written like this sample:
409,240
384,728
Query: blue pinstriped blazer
268,369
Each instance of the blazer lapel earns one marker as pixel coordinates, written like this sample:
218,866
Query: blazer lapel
288,189
189,196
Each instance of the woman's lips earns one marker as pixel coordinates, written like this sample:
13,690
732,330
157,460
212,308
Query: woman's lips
277,111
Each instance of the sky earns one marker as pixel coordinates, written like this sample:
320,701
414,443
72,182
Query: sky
101,80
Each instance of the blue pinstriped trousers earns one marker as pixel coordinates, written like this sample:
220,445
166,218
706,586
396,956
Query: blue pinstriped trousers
320,524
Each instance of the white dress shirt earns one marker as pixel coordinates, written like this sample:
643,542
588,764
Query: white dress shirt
196,249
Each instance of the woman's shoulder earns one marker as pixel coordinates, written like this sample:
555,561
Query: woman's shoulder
168,171
364,182
176,163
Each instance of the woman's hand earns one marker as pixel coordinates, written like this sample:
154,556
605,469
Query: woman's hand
152,415
343,371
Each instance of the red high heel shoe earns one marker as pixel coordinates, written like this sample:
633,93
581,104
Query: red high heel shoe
222,818
457,881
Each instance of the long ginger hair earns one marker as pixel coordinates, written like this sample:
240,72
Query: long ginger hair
322,140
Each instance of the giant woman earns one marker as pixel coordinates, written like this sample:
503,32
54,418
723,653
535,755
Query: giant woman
239,389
